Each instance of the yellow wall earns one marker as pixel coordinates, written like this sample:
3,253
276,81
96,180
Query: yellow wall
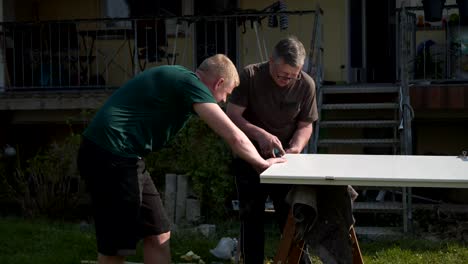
334,35
300,26
61,9
28,10
23,10
335,39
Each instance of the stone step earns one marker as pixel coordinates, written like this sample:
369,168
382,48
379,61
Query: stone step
442,207
360,123
377,206
360,106
385,142
347,89
398,206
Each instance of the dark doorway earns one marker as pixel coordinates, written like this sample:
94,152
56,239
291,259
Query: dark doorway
215,36
356,36
372,41
380,29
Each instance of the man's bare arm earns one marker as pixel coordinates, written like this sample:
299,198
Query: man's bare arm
217,120
266,141
300,138
235,113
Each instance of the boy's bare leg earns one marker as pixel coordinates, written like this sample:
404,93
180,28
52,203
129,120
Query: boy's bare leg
156,249
103,259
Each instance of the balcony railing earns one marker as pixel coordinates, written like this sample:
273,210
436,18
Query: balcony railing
432,51
105,53
81,54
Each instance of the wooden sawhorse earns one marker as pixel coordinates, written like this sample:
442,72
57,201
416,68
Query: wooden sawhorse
290,251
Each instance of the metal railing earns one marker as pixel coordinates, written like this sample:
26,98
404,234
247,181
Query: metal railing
80,54
436,50
105,53
406,43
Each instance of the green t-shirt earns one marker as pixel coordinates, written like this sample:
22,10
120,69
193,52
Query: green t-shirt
142,115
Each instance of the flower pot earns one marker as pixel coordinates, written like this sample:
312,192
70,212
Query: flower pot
433,10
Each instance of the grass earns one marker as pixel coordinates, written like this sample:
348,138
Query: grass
41,241
409,251
25,241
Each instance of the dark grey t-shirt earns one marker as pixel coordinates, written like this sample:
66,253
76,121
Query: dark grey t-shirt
271,107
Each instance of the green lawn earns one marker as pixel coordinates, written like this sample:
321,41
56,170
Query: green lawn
40,241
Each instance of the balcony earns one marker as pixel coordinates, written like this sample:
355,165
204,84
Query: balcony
63,65
75,64
77,55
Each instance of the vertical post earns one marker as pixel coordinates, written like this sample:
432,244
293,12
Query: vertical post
136,61
195,53
181,198
174,50
407,118
363,73
406,138
192,210
170,196
404,195
2,53
315,70
403,72
259,45
398,40
313,148
226,38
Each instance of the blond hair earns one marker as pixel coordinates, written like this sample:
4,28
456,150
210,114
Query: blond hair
220,66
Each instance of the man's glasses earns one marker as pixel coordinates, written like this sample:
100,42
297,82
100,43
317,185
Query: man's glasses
286,78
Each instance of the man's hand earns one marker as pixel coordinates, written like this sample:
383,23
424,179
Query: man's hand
293,150
268,143
270,162
300,138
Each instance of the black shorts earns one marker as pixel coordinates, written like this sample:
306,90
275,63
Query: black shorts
126,205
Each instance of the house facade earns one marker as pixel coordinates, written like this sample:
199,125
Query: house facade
61,59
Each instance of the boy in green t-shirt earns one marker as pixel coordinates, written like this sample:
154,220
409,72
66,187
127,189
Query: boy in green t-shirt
140,117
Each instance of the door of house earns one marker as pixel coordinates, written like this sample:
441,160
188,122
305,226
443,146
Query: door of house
372,41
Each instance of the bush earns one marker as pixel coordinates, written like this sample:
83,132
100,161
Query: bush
198,152
49,185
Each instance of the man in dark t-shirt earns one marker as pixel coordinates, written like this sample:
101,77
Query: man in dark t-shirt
140,117
274,105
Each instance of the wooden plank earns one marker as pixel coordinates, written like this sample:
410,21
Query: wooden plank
357,255
290,251
286,242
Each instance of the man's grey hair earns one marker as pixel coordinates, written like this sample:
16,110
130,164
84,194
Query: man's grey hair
290,50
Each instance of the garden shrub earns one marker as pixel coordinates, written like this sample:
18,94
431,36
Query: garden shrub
49,183
198,152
